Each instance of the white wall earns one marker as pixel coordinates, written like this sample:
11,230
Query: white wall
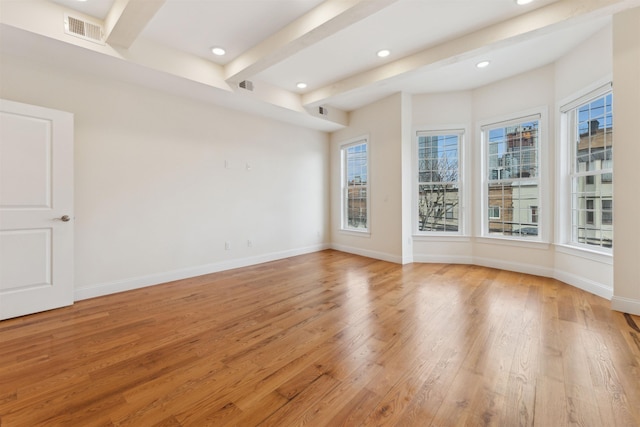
585,68
382,123
589,62
626,93
153,198
519,93
406,142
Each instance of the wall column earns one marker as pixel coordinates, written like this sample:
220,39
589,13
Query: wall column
626,92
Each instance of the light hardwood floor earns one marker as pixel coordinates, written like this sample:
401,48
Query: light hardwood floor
327,339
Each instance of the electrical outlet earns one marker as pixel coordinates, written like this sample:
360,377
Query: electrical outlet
249,243
227,246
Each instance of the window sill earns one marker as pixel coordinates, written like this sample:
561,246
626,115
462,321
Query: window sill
522,243
586,253
441,237
355,233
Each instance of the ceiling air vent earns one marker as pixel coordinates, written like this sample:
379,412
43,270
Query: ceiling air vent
246,84
323,111
82,28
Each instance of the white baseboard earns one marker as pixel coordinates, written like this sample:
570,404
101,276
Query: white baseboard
579,282
443,259
185,273
585,284
407,259
626,305
571,279
514,266
617,303
369,254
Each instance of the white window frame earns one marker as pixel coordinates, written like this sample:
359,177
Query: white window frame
344,187
567,173
539,114
461,131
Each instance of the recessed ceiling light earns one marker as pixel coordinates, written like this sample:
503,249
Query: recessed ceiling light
483,64
522,2
301,85
384,53
218,51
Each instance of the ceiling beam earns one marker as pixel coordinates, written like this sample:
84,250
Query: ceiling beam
127,18
316,25
464,47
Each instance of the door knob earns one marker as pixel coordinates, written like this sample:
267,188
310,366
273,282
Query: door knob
65,218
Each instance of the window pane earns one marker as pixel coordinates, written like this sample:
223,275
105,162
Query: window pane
438,207
595,130
513,208
438,158
513,151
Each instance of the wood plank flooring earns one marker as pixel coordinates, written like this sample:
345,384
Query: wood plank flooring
327,339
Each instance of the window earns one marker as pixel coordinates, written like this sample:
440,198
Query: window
439,195
589,211
607,177
355,186
494,212
607,211
512,187
534,214
449,211
590,135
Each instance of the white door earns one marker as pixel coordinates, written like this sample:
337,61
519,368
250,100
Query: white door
36,209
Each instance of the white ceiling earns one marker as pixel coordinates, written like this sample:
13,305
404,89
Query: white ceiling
195,26
96,8
403,27
331,45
